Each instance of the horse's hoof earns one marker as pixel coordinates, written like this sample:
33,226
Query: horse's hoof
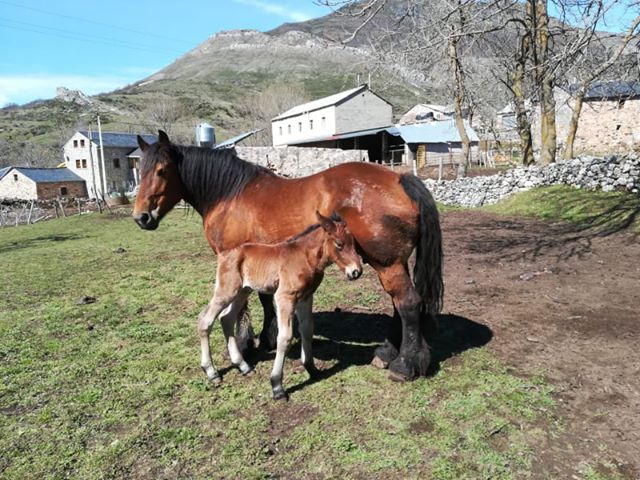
280,395
250,373
216,381
379,363
396,377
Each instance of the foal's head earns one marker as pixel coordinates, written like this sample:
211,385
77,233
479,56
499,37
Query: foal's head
339,245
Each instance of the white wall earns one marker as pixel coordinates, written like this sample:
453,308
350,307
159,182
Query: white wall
24,188
300,125
90,173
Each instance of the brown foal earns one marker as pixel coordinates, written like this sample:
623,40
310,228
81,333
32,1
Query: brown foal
291,270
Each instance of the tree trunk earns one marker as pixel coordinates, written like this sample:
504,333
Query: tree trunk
545,81
517,87
458,95
573,125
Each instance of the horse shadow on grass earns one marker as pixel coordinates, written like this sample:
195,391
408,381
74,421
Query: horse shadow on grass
37,241
350,338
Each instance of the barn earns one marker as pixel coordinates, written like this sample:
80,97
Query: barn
25,183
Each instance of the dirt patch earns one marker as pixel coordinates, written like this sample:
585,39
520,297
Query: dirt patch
564,302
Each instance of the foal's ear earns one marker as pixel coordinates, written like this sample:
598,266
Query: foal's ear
163,138
326,223
142,144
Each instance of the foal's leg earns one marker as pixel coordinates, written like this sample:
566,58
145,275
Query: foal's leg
228,321
305,326
285,306
414,355
218,303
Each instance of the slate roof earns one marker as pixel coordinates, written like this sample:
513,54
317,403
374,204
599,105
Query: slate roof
115,139
614,90
48,175
334,99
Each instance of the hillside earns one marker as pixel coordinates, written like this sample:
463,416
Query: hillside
223,81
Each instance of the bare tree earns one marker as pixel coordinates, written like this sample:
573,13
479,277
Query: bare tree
594,71
163,114
261,107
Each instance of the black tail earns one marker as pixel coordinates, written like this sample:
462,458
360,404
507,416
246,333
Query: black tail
427,273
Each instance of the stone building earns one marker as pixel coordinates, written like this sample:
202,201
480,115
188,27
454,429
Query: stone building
353,110
82,155
22,183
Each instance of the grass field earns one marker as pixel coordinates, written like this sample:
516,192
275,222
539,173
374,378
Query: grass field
113,389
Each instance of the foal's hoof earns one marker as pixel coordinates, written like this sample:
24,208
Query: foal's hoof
245,369
280,395
216,381
379,363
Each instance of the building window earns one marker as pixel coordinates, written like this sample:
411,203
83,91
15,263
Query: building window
15,177
299,126
323,122
63,191
81,142
78,163
84,163
75,144
116,163
280,130
289,128
311,124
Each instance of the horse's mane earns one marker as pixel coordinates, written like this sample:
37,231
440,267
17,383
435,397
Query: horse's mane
334,216
209,176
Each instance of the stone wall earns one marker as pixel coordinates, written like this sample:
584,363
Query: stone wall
47,191
299,161
608,173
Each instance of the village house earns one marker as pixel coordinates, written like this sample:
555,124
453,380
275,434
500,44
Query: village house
25,183
358,119
429,112
331,118
117,171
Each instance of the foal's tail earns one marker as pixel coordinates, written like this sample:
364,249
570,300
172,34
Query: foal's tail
427,273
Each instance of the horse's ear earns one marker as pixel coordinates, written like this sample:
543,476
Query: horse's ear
142,144
326,223
163,138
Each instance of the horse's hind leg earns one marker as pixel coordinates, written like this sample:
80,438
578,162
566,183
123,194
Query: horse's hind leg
305,326
414,355
228,321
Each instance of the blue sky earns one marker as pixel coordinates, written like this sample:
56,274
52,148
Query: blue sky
99,46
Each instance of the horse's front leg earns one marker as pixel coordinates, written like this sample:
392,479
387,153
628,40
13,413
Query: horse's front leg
228,320
304,310
285,306
269,333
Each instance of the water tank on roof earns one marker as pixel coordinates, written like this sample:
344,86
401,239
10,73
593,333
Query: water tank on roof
205,135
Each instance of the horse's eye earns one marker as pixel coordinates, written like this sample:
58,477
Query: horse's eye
339,245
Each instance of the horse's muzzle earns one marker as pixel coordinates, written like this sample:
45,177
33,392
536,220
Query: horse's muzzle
353,273
145,221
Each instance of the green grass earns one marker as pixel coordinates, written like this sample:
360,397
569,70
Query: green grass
113,389
602,211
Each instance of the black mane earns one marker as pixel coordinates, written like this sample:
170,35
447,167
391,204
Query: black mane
209,176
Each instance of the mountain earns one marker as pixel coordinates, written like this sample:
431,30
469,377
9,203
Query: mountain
239,79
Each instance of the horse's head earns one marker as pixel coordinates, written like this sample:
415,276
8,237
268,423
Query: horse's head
340,245
160,185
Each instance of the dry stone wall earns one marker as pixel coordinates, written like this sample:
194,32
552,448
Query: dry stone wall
299,161
606,173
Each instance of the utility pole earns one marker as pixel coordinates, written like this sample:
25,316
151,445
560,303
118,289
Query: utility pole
104,172
92,161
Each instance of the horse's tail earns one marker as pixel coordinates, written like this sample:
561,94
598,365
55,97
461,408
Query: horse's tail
427,273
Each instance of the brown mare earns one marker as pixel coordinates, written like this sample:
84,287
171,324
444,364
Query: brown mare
389,214
292,271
